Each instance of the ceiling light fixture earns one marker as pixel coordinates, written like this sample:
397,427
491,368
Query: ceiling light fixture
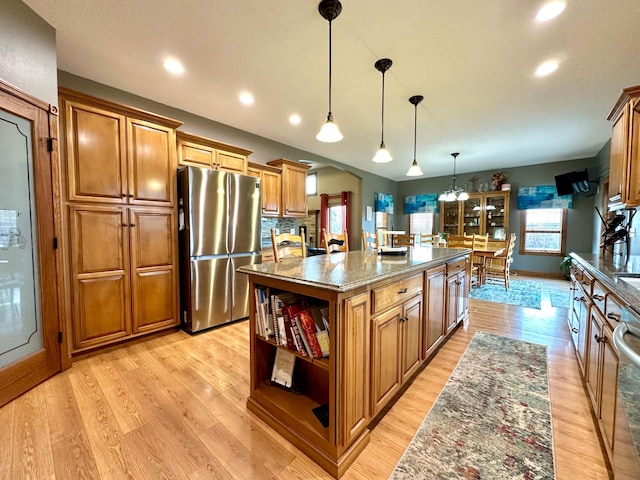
329,133
382,155
173,66
294,119
246,98
551,10
415,170
546,68
454,193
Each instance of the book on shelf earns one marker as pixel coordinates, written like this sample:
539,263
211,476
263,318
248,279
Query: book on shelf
309,331
283,364
291,312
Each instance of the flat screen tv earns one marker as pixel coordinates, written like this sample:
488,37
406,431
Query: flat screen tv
572,182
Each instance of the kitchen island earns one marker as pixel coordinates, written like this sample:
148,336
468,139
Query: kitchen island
386,316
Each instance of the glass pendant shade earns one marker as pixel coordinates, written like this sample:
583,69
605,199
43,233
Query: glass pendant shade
442,197
414,170
462,196
454,193
382,155
329,133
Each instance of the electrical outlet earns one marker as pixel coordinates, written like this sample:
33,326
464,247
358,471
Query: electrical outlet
292,231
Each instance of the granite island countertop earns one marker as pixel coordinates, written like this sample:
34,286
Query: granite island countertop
342,272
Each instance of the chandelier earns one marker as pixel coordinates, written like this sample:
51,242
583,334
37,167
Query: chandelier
454,193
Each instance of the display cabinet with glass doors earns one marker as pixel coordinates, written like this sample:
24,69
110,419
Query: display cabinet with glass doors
482,213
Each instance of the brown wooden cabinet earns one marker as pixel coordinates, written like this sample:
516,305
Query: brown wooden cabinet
294,182
624,167
203,152
457,294
435,290
120,218
271,187
482,213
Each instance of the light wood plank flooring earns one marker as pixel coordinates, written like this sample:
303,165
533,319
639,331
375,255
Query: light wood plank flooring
174,407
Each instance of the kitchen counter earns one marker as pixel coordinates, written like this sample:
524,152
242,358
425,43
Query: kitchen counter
341,272
609,274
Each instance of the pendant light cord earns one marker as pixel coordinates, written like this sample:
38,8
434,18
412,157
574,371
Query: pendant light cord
382,128
329,68
415,130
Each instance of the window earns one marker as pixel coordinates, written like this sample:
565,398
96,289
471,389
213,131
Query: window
336,219
421,223
312,184
542,231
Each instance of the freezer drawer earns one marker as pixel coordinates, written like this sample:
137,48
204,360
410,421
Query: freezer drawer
209,303
240,291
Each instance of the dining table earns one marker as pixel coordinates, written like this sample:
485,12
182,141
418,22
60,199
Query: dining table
484,254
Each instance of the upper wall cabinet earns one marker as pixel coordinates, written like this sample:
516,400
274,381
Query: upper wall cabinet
624,168
271,187
204,152
294,183
117,156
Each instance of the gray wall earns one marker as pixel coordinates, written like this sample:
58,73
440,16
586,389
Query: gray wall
580,219
28,51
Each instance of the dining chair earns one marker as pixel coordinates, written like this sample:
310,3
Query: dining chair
456,241
405,240
426,239
499,266
288,245
479,242
369,240
335,242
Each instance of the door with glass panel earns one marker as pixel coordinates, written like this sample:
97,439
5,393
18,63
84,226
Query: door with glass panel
29,345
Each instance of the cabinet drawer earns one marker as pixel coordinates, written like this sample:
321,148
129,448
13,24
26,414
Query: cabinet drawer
612,310
455,267
599,296
384,297
576,271
586,283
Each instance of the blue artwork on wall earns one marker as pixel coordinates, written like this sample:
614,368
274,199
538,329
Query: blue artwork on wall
383,203
544,196
422,203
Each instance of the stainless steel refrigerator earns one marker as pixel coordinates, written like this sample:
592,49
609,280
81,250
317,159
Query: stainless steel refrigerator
219,231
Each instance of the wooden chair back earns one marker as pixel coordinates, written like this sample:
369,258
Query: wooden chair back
459,241
288,245
369,240
335,242
480,242
499,266
403,240
426,239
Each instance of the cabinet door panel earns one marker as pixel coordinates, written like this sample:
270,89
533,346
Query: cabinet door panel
593,370
153,237
151,163
435,309
411,337
295,194
231,162
197,155
609,390
98,239
386,357
271,194
354,370
634,155
452,303
96,154
618,156
101,310
154,302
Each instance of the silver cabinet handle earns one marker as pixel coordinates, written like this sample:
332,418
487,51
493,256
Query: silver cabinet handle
613,316
598,297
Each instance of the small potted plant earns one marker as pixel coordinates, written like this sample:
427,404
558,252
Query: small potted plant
565,266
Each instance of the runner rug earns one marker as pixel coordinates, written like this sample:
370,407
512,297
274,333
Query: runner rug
521,293
492,420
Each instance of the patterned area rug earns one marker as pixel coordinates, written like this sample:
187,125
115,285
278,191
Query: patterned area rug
522,293
559,299
492,420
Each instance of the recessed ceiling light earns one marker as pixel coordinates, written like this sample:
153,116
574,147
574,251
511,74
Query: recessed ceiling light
295,119
173,66
246,98
551,10
546,68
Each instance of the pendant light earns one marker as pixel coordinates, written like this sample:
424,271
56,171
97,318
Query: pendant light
382,155
415,170
329,133
454,193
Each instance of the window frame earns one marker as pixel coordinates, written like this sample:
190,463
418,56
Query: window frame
563,235
313,175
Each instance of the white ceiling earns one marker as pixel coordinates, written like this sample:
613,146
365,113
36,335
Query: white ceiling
472,60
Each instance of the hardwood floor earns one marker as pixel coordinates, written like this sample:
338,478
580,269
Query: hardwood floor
174,407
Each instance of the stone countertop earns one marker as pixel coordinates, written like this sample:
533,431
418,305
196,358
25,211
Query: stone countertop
609,274
342,272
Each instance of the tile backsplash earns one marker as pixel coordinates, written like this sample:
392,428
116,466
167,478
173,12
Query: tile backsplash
283,224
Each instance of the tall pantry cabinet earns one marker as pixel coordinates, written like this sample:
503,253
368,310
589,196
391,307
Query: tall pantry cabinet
120,218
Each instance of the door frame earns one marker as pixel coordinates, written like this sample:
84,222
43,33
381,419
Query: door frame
18,377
